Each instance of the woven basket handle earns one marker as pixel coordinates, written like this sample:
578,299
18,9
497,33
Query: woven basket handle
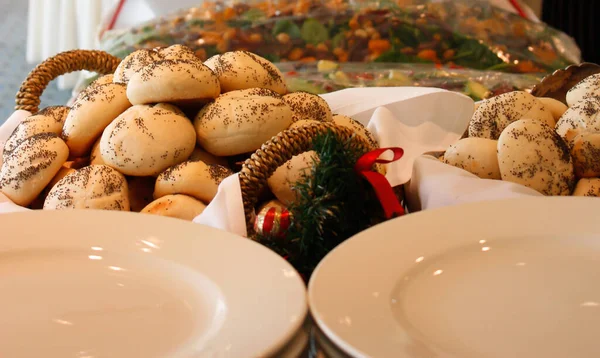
28,97
274,153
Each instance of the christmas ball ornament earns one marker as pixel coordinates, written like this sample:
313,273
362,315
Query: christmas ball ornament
272,220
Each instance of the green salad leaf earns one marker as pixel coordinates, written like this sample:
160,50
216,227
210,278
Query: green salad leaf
287,27
313,32
254,14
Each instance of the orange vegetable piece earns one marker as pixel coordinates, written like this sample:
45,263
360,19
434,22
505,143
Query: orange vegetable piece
295,54
527,67
229,13
407,50
308,59
449,53
428,55
379,45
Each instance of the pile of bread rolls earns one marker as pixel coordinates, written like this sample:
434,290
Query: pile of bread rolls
159,135
537,142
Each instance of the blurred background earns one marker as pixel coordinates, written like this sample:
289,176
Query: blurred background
34,30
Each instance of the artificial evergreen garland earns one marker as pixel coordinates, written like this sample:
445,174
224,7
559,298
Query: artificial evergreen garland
334,203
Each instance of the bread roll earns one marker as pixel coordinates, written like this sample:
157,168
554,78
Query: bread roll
241,121
286,176
93,187
91,114
357,127
238,70
581,117
206,157
496,113
178,52
103,80
173,81
557,108
32,165
302,123
587,187
96,155
586,89
175,206
134,62
140,192
38,202
308,106
145,140
195,179
586,155
475,155
48,120
62,172
531,153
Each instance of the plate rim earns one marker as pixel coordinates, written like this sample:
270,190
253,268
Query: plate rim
296,287
358,239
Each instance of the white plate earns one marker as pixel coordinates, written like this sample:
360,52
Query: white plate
107,284
515,278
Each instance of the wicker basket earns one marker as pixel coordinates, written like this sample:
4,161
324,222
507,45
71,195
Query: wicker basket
557,84
255,170
28,97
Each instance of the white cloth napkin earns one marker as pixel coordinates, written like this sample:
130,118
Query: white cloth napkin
419,120
434,184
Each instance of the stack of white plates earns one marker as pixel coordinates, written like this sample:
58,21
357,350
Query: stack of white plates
107,284
515,278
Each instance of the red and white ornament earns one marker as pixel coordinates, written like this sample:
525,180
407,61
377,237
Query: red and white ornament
272,220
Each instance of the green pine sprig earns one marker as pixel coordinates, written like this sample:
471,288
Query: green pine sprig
334,203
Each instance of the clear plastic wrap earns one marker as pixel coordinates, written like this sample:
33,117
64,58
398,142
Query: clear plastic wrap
328,77
464,33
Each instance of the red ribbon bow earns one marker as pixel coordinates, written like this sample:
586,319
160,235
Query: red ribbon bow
383,189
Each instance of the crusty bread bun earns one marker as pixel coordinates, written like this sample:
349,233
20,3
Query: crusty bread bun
586,89
90,114
62,172
147,139
95,155
206,157
496,113
139,59
557,108
32,165
175,206
173,81
241,121
92,187
38,202
239,70
586,155
48,120
177,52
140,192
286,176
587,187
195,179
306,106
134,62
475,155
302,123
103,80
531,153
356,126
582,116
